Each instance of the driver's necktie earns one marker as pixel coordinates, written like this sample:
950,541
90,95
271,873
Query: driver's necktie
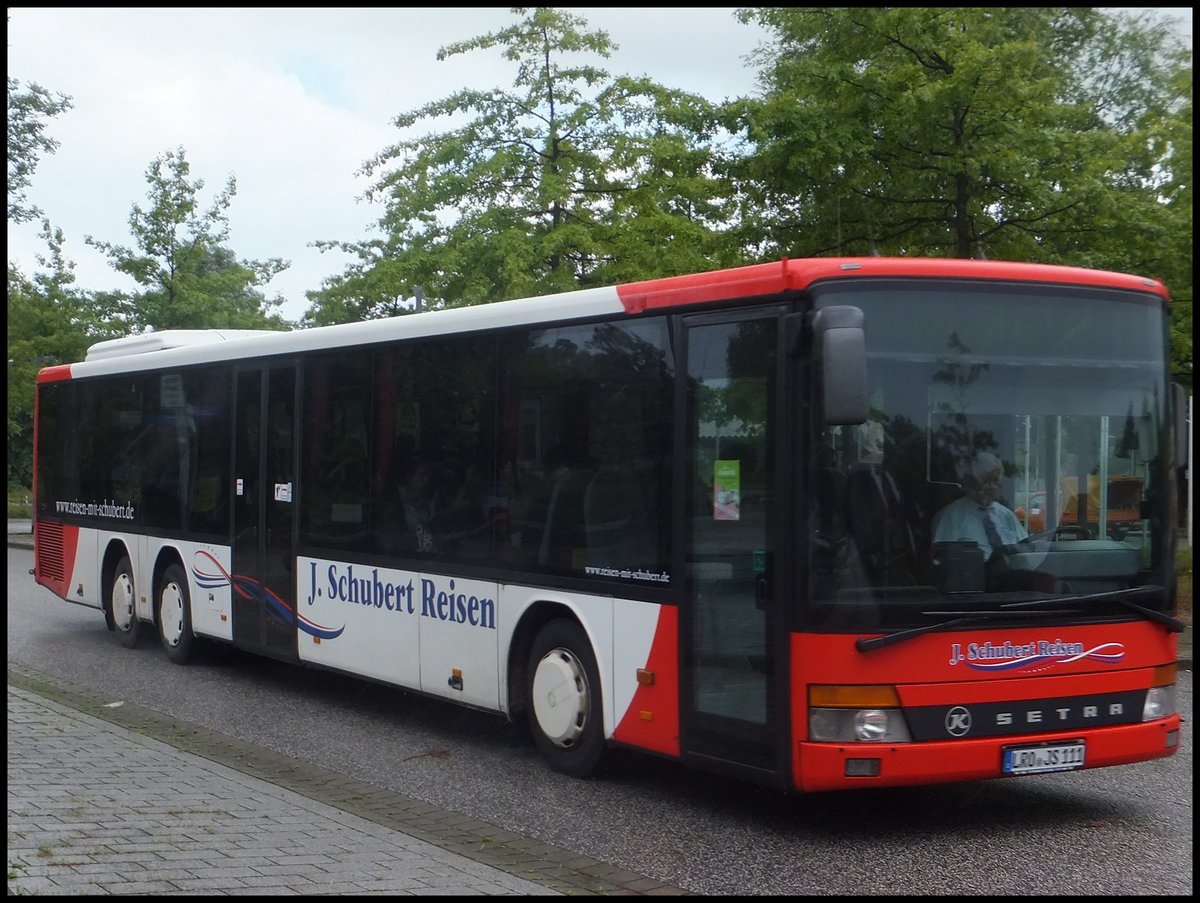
989,527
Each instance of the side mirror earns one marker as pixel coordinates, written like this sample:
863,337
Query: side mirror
841,346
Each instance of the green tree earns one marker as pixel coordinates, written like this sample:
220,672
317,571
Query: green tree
50,321
571,178
28,112
1051,134
41,314
1175,260
966,132
189,279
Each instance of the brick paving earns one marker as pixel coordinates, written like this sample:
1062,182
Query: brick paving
128,801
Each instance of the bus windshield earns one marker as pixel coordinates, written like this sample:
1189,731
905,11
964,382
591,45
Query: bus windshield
1015,449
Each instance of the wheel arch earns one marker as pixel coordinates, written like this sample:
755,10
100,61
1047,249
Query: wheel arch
533,619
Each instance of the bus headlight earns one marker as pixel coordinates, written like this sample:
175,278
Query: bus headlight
1161,699
857,726
872,724
856,714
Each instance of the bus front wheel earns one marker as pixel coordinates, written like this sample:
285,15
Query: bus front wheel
175,615
122,604
564,702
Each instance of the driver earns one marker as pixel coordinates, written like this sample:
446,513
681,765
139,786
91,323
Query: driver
977,517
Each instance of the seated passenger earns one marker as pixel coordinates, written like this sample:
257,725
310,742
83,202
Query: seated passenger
977,517
413,510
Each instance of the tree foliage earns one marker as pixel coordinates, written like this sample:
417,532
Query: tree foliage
570,178
50,321
951,131
45,322
1174,140
1048,134
189,279
28,113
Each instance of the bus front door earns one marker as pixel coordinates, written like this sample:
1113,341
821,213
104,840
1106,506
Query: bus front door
729,626
264,486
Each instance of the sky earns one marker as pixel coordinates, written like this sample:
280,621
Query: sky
291,103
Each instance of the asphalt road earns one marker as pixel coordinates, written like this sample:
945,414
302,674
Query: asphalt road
1113,831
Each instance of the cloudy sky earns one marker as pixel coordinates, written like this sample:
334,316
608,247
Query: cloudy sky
291,102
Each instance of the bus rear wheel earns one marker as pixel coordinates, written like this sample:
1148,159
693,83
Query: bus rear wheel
564,702
175,615
122,604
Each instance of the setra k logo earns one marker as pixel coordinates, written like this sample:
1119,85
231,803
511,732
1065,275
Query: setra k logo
958,722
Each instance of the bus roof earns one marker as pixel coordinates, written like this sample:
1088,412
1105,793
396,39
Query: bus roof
798,275
185,347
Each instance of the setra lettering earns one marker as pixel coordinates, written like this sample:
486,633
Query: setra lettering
1037,716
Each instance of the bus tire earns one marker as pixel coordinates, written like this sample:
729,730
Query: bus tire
122,604
175,615
564,704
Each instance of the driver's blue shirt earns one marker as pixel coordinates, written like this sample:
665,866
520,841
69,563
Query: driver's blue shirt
962,521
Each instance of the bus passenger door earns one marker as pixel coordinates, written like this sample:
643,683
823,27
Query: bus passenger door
733,658
264,591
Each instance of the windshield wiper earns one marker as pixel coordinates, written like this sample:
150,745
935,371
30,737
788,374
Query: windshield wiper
1120,596
867,644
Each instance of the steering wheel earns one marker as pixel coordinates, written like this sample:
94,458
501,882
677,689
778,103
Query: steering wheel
1072,530
1068,529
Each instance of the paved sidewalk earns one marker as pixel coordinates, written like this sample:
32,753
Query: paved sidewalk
100,806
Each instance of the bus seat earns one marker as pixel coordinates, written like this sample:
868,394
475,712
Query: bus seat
866,511
881,527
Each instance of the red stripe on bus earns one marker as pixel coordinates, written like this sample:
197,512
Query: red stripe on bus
57,374
652,720
766,279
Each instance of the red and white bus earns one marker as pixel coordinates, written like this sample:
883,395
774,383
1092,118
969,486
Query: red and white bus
691,516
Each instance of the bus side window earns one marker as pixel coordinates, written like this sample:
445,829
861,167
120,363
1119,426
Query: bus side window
563,542
615,520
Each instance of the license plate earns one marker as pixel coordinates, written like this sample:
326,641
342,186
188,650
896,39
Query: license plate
1044,758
